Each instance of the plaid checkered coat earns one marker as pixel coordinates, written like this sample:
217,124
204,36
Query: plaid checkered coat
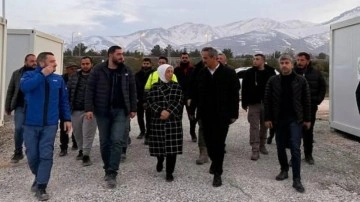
166,136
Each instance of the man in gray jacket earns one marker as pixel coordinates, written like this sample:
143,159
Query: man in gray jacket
111,97
15,101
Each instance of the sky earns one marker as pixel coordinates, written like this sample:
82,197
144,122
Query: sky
122,17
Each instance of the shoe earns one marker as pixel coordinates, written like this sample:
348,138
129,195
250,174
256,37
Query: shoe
282,176
34,187
217,182
141,136
309,159
111,182
63,152
193,137
17,157
159,165
106,177
203,157
169,177
146,142
80,155
263,150
41,195
255,156
74,147
269,140
123,157
86,160
298,186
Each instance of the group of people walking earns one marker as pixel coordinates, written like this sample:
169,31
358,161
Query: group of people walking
108,95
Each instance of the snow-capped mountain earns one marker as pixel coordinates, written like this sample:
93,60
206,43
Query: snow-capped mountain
257,35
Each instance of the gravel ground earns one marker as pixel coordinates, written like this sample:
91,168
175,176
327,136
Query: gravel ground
334,177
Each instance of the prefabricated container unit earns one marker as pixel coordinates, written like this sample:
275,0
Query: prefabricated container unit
2,69
345,75
24,41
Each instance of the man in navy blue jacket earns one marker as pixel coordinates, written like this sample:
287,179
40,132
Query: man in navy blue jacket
46,99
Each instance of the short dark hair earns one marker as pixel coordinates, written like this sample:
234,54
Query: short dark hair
147,60
164,58
43,56
112,49
87,57
28,55
212,51
184,53
260,55
307,55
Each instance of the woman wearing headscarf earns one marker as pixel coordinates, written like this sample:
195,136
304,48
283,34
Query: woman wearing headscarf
166,138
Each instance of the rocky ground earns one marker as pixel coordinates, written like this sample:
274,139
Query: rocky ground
334,177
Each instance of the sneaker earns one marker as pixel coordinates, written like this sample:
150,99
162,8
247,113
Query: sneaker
80,155
255,156
41,195
17,157
141,136
263,150
298,186
86,160
34,187
217,182
111,182
63,152
309,159
169,177
282,176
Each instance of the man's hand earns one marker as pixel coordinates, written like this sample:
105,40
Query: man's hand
89,115
68,127
307,125
232,121
47,70
164,115
132,115
268,124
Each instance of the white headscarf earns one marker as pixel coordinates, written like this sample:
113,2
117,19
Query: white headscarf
161,71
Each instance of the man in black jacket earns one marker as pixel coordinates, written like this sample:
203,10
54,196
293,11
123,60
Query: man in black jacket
252,97
183,74
111,97
217,102
317,86
141,77
15,101
287,109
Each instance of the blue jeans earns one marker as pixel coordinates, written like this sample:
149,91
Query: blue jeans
113,133
39,143
19,117
289,134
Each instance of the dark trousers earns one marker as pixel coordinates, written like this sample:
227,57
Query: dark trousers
289,134
18,136
144,128
113,133
215,133
192,122
170,162
308,135
64,137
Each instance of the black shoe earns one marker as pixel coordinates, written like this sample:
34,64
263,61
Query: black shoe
111,182
41,195
86,160
193,137
159,165
269,140
106,177
146,142
34,187
309,159
74,147
282,176
298,186
80,155
217,182
63,152
141,136
169,177
17,157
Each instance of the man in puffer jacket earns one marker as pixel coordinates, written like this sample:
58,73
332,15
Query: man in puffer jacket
46,99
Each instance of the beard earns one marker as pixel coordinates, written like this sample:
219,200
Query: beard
117,62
